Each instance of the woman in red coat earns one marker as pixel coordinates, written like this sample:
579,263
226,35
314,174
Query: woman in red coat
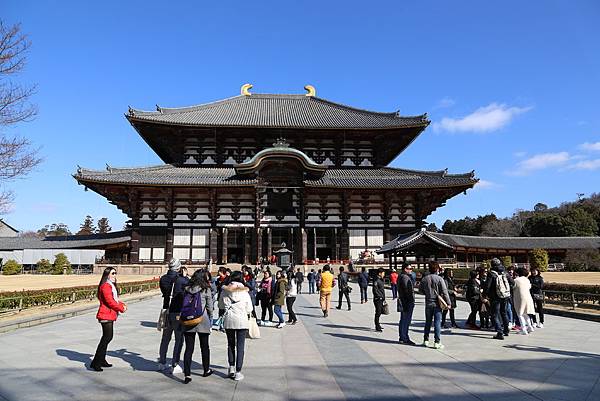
110,306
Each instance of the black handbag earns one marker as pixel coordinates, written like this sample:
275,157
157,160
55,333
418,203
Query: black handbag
386,308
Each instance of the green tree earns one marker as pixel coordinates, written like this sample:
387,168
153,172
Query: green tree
54,230
103,226
44,266
11,267
540,207
546,225
538,258
506,261
62,265
577,260
433,228
87,227
580,223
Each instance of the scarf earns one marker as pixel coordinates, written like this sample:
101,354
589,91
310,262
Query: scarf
114,290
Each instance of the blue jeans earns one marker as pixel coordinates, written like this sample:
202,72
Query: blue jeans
173,327
499,316
405,319
433,312
311,287
509,311
279,313
363,293
394,290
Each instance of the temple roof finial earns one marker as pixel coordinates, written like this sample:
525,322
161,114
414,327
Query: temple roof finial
311,91
281,143
245,90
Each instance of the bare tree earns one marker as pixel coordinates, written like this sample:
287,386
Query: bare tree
17,156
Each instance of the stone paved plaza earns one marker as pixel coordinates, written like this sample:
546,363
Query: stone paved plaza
338,358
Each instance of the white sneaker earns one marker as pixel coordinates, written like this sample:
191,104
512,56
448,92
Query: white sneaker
281,325
231,372
238,376
162,367
426,343
530,329
524,332
540,326
260,322
176,370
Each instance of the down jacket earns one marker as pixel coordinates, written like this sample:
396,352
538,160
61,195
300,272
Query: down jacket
522,297
109,308
236,301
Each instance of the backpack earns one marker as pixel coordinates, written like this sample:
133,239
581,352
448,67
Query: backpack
502,286
191,311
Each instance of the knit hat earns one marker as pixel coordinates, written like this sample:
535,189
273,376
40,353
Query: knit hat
496,263
174,264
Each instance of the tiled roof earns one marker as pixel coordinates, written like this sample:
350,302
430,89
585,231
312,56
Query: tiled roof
168,175
65,242
405,241
277,111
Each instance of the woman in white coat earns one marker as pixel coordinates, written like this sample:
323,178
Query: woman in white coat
523,302
235,299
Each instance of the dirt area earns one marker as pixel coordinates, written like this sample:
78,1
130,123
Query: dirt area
589,278
40,282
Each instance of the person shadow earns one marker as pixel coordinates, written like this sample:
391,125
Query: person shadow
146,323
134,359
85,359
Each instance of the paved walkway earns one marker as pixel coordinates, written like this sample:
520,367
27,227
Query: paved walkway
339,358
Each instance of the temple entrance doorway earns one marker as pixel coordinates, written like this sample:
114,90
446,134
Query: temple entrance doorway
235,245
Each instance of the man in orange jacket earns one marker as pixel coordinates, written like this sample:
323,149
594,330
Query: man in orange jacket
327,283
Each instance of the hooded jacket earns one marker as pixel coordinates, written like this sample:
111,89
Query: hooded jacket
237,304
279,296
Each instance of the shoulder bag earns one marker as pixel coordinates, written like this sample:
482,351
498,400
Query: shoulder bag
385,309
163,316
442,302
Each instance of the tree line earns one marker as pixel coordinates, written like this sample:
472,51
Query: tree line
571,219
60,229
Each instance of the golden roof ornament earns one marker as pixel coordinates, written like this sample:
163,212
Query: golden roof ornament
311,91
245,90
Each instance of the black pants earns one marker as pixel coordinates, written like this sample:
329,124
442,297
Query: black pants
107,336
236,341
189,351
265,304
452,319
475,305
299,288
378,311
289,302
539,308
340,299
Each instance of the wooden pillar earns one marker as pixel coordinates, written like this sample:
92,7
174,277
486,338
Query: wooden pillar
396,260
213,244
134,254
389,256
344,239
314,244
257,245
304,245
269,244
335,246
224,245
169,244
248,245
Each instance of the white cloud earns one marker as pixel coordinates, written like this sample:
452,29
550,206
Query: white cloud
485,184
590,146
540,162
520,154
485,119
445,102
586,165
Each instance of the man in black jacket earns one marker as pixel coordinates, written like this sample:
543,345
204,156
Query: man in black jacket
378,297
406,302
344,288
498,303
171,287
299,280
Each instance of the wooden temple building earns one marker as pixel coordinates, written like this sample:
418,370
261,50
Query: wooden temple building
245,174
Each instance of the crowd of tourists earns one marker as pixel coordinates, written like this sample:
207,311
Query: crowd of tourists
504,298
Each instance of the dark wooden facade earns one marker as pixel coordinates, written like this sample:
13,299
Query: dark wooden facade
307,172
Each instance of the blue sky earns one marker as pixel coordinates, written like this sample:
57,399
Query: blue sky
511,88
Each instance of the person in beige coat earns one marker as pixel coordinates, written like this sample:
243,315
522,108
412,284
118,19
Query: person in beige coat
523,302
236,301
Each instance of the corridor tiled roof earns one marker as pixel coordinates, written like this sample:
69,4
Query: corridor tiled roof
405,241
277,111
65,242
169,175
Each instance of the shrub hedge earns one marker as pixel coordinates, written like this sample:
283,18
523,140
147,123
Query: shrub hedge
32,298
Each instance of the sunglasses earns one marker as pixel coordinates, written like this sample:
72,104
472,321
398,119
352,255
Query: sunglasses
113,273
